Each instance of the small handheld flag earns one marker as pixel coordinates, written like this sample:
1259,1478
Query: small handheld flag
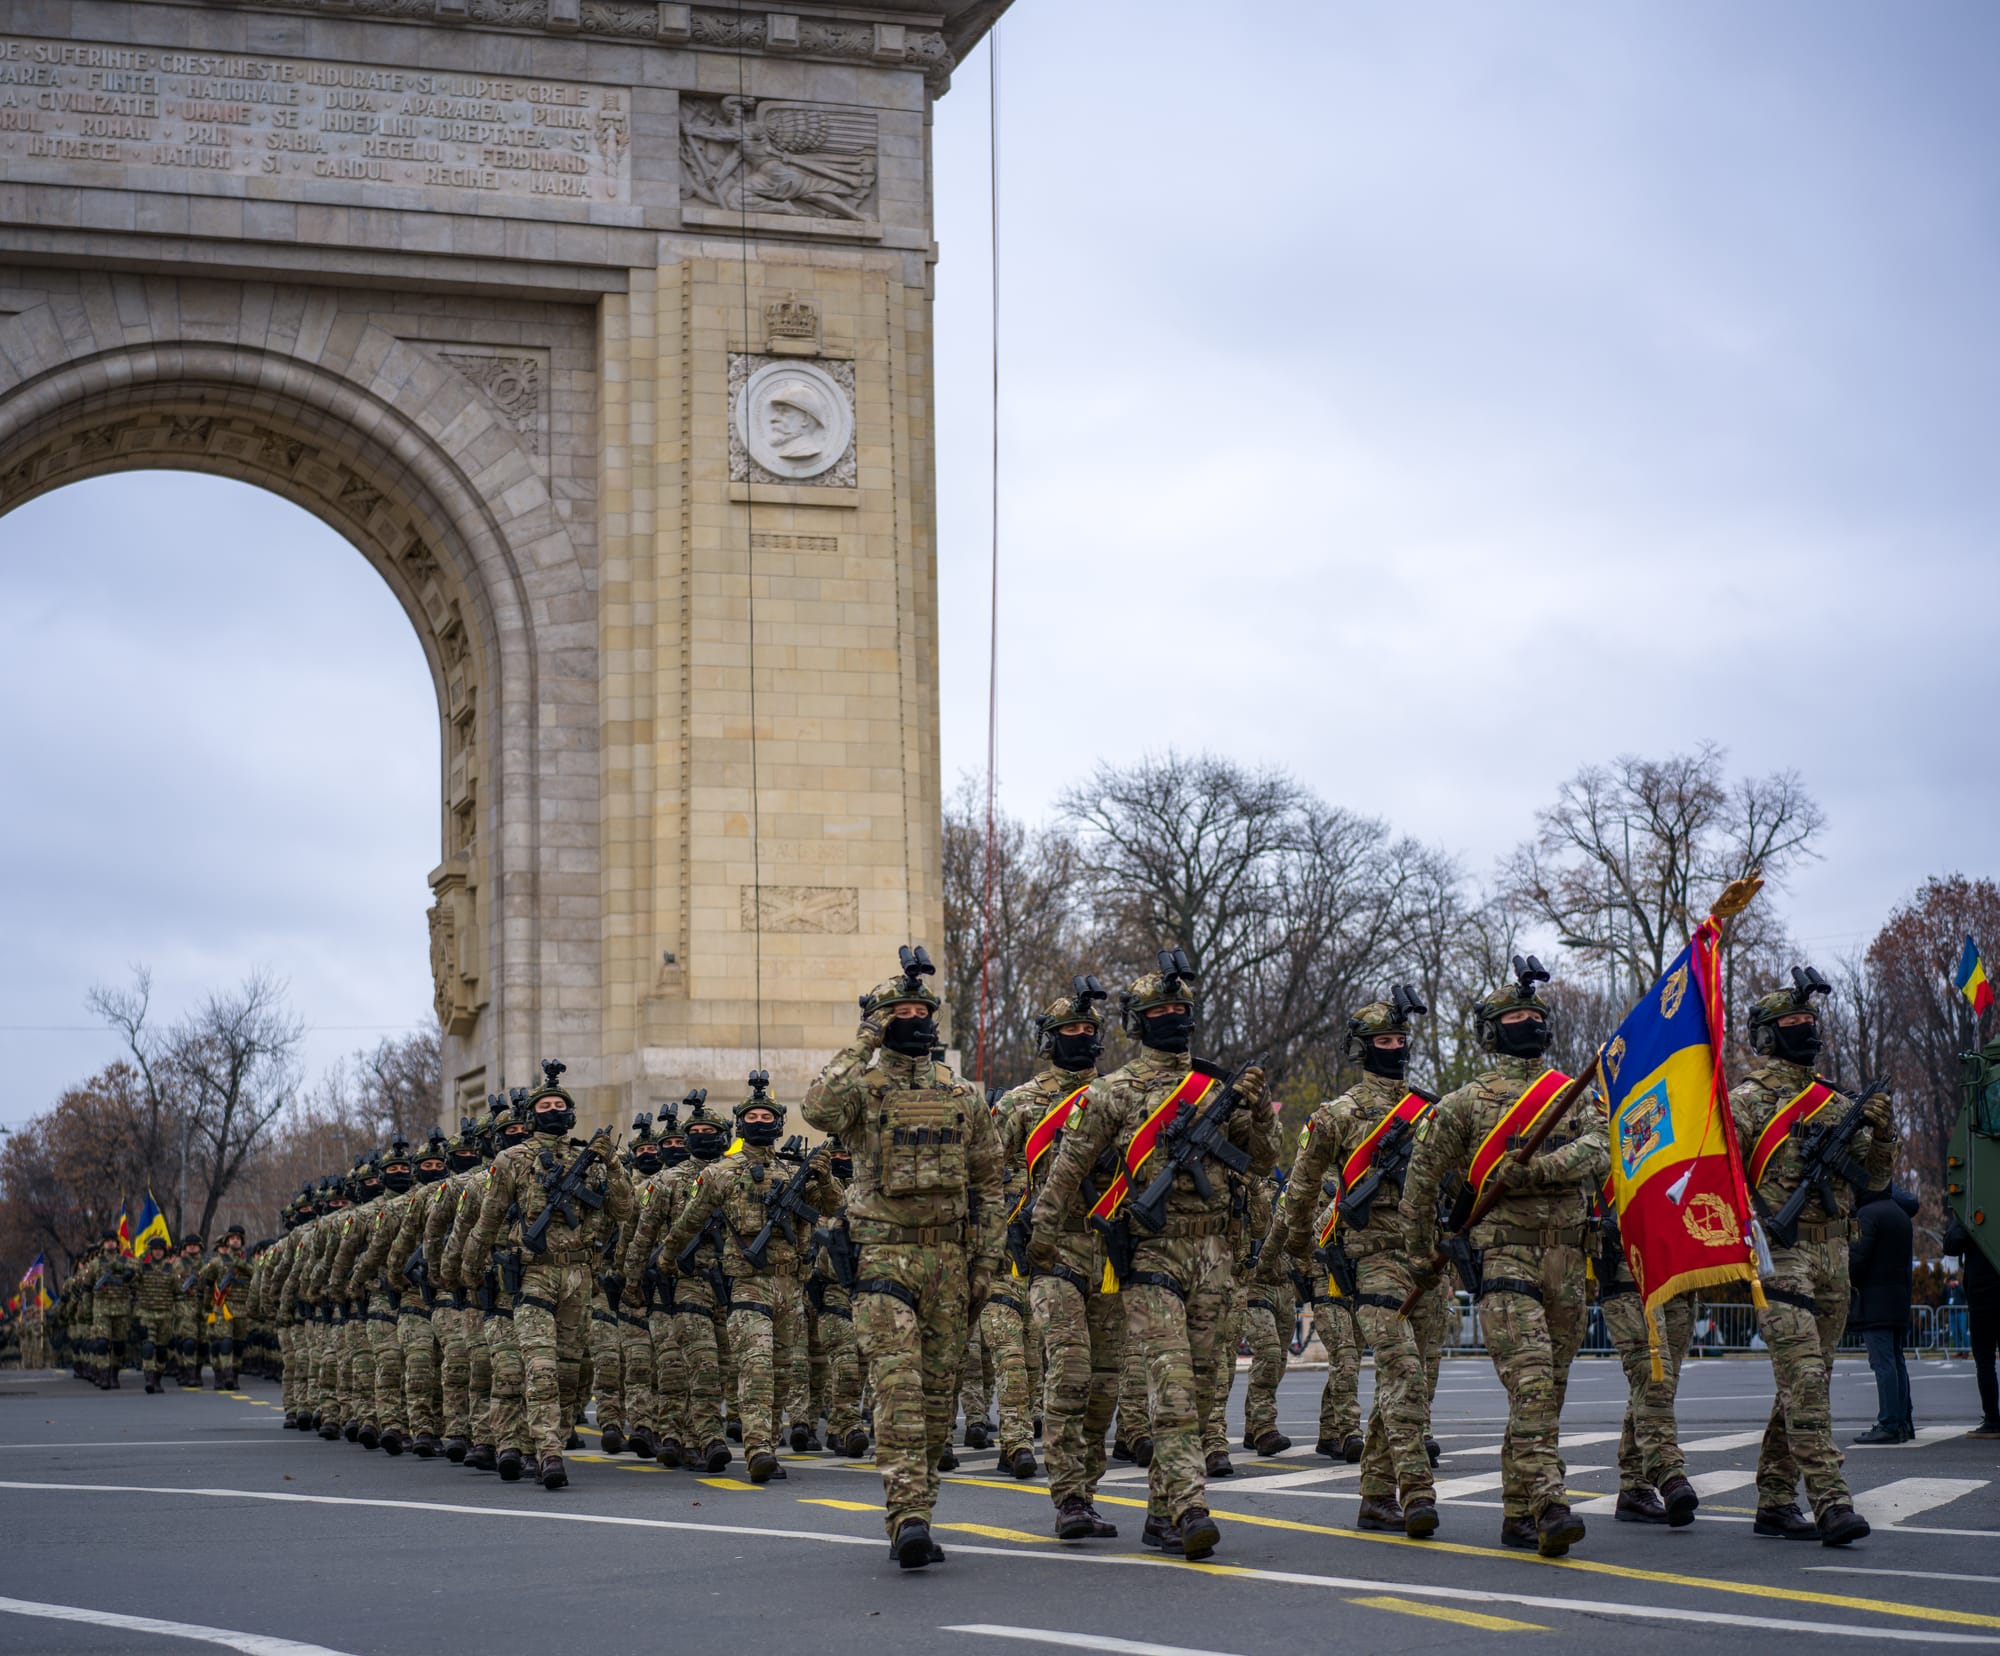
1970,977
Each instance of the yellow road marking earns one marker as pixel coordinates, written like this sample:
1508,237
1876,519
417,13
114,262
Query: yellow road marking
838,1506
726,1483
993,1532
641,1468
1444,1612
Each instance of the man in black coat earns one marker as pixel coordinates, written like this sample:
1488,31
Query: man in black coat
1878,1266
1982,1299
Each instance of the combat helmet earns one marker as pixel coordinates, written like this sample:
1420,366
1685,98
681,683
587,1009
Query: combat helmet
551,1121
707,1133
1390,1015
1800,1043
1073,1052
906,987
1517,996
398,1166
1171,984
760,1099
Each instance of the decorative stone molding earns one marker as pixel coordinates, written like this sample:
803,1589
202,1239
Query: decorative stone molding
454,953
791,422
791,327
514,382
801,908
778,158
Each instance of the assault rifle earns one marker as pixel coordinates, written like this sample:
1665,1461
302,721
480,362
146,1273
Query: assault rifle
785,1208
1388,1165
1020,1227
565,1187
712,1233
841,1253
418,1274
1823,1157
1190,1142
1338,1266
613,1280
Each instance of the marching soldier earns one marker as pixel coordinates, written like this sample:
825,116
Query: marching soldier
225,1289
1806,1294
925,1212
631,1309
111,1309
1653,1487
556,1264
1175,1284
416,1302
1532,1287
368,1281
1270,1307
1083,1327
154,1292
1363,1140
496,1400
760,1260
834,1305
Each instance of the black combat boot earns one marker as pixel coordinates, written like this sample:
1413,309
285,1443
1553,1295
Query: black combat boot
1557,1530
1841,1525
393,1441
1120,1450
643,1444
1101,1527
456,1449
1217,1463
483,1457
510,1465
1022,1462
801,1436
1273,1442
352,1432
733,1431
554,1474
1517,1532
668,1452
913,1547
1420,1518
370,1435
947,1462
978,1435
1678,1497
1350,1448
762,1465
425,1446
1329,1447
1200,1534
1073,1521
855,1445
1784,1523
613,1441
1432,1450
717,1455
574,1440
1640,1506
1142,1451
1161,1533
330,1430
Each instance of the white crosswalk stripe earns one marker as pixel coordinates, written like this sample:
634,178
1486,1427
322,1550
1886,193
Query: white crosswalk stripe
1892,1503
1297,1480
1720,1483
1720,1445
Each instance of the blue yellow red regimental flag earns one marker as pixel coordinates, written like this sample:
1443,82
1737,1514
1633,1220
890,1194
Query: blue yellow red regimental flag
1970,977
35,1284
1676,1170
152,1222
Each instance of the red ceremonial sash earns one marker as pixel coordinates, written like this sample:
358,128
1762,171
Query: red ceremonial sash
1411,1109
1519,1120
1193,1088
1779,1128
1043,1138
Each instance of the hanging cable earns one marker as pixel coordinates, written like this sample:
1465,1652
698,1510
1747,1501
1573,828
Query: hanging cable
993,636
750,554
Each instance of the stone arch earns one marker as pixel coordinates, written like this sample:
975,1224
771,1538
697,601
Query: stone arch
408,459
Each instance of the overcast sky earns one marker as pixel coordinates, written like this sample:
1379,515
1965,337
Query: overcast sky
1429,398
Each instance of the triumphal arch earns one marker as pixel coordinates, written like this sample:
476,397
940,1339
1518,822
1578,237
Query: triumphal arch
603,329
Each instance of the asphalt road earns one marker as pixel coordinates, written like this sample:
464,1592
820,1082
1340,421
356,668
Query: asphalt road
196,1511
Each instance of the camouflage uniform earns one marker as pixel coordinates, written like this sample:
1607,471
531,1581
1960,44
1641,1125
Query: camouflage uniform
1270,1308
419,1314
1532,1304
1806,1296
453,1314
835,1311
925,1211
111,1291
555,1283
1083,1328
154,1292
1392,1454
392,1300
1180,1282
225,1289
765,1310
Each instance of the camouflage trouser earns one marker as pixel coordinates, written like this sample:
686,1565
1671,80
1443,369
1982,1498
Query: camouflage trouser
453,1325
549,1316
418,1338
909,1319
150,1354
385,1405
635,1361
1532,1342
1392,1454
225,1347
607,1367
1132,1424
761,1322
1340,1397
1212,1397
506,1407
694,1412
1798,1439
321,1347
1003,1330
479,1375
1176,1322
1268,1311
843,1372
1438,1310
357,1370
1085,1331
186,1320
975,1378
666,1375
1649,1450
792,1365
108,1333
291,1352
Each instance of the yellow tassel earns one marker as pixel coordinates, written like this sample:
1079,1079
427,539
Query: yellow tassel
1110,1283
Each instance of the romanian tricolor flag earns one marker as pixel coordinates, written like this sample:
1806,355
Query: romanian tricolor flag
1971,978
1676,1171
152,1222
125,1227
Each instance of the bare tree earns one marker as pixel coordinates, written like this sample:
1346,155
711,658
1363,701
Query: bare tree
160,1125
65,1174
237,1060
405,1083
1626,861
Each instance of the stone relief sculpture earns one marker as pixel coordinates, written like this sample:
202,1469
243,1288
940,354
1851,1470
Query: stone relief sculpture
793,420
771,156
